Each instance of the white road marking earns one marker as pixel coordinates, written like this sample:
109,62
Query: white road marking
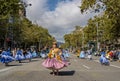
86,66
75,60
114,66
6,69
97,61
110,64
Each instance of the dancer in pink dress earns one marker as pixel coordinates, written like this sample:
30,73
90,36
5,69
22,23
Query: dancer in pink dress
54,61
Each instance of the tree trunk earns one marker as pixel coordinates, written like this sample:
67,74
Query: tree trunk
25,45
5,43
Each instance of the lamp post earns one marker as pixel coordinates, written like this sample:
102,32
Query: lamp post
24,5
83,38
97,37
99,31
22,13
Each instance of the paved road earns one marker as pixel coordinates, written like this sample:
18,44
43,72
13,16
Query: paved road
79,70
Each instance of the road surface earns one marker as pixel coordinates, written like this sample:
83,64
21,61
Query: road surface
79,70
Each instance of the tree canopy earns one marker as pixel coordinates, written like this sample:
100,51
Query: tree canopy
104,27
17,30
110,19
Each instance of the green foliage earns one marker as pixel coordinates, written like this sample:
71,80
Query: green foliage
106,32
31,33
74,39
87,4
8,7
109,22
20,29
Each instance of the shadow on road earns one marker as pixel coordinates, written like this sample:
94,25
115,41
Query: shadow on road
25,62
66,73
34,60
14,65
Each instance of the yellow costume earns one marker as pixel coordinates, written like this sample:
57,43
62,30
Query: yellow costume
78,53
55,53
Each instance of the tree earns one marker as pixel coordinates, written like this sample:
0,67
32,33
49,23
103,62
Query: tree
110,19
74,39
9,16
14,25
32,34
9,7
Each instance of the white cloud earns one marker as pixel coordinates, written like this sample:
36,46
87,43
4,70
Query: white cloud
61,21
37,9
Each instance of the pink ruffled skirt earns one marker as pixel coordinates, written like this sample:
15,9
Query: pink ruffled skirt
54,64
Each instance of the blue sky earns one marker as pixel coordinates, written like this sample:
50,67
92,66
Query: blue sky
52,4
59,16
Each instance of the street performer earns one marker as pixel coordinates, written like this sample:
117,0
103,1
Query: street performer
54,61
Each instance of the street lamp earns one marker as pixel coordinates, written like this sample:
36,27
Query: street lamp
98,31
97,37
22,13
98,15
24,5
83,36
